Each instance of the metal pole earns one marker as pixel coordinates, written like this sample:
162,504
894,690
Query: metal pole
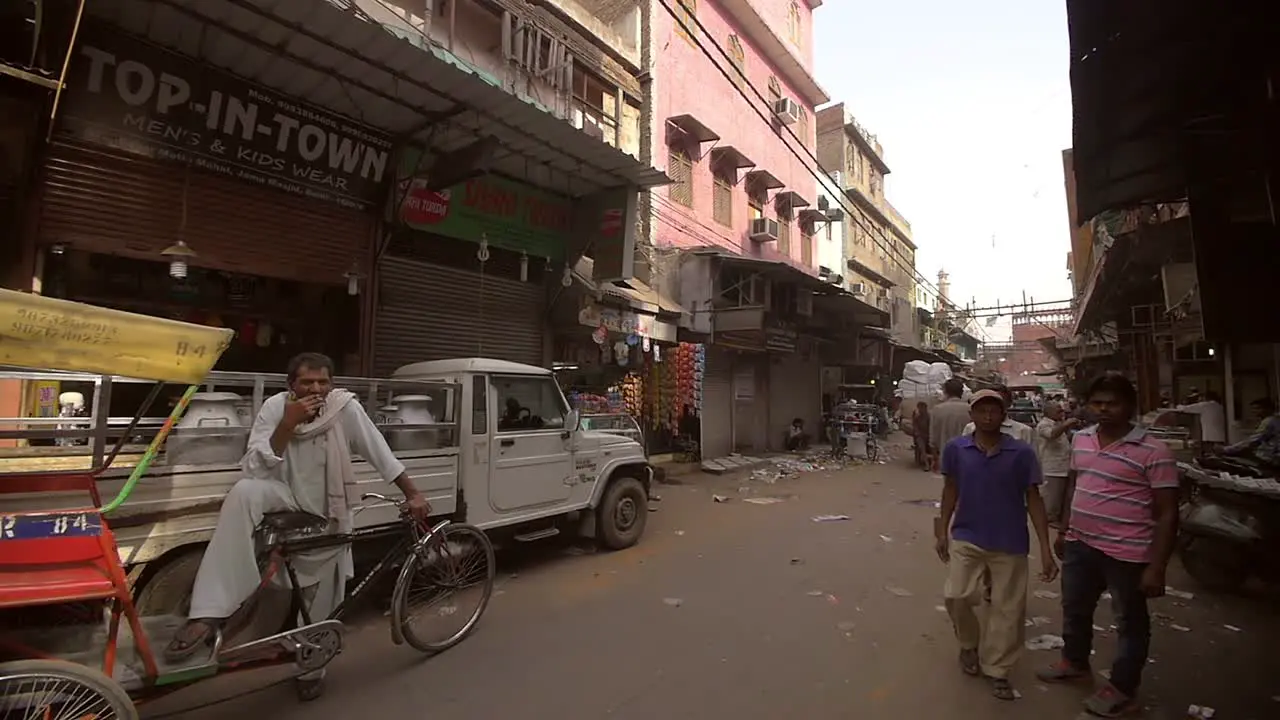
1230,390
66,63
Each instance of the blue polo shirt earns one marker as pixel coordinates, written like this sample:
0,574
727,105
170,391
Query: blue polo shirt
992,508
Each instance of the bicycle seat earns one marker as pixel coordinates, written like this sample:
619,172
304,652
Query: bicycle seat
289,522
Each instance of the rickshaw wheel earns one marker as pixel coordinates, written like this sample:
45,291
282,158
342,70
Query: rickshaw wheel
60,690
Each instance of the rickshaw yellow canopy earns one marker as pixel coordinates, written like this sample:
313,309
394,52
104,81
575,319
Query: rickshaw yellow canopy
51,334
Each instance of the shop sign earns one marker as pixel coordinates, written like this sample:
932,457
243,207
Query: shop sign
624,322
507,214
133,96
780,340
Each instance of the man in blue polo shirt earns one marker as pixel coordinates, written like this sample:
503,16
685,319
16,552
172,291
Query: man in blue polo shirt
990,487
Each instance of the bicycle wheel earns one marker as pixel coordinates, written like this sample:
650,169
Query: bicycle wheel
60,690
443,575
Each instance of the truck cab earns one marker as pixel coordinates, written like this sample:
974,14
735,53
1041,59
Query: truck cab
524,463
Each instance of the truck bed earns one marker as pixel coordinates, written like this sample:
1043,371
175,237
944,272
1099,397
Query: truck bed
175,506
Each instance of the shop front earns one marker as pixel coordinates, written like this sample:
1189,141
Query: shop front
469,270
174,189
618,358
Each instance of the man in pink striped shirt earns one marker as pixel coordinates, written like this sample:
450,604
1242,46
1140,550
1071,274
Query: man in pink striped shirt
1118,535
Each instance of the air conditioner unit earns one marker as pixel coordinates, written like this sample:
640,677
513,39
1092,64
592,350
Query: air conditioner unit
804,303
836,279
835,215
786,110
764,230
858,288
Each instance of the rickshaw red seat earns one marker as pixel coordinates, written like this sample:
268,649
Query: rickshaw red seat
65,568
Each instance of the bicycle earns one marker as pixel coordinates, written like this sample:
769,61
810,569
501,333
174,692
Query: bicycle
437,554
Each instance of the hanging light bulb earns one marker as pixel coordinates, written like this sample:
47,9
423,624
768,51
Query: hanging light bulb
483,253
567,278
546,265
179,256
524,266
353,279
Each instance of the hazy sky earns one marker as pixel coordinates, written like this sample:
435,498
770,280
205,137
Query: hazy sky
972,104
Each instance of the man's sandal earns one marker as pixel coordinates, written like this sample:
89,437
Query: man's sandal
191,637
1002,690
969,662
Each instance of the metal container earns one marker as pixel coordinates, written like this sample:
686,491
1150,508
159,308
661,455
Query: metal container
410,410
211,432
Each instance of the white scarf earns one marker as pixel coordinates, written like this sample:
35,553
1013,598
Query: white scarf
338,471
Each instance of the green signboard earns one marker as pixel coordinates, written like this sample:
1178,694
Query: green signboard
506,213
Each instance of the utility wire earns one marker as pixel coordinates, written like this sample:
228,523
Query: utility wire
816,168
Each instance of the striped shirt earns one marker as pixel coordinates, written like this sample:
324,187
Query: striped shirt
1113,509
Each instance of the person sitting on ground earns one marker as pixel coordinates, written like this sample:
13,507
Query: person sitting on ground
990,488
797,438
299,459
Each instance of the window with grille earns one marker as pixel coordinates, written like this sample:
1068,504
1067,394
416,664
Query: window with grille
802,126
793,24
784,231
755,203
775,92
738,57
806,247
722,198
680,170
686,11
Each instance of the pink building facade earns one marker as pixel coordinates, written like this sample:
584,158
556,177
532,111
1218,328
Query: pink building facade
729,165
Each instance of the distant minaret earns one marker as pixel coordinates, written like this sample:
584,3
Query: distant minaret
944,289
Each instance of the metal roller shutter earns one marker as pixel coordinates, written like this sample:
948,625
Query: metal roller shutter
795,391
103,201
717,405
432,312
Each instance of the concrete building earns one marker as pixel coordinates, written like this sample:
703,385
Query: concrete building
879,255
728,168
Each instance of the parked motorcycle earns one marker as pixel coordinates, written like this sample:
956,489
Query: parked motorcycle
1230,525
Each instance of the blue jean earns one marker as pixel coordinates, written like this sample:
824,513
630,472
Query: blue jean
1086,573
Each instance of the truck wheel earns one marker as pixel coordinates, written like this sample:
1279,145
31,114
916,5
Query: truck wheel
1216,564
166,590
623,512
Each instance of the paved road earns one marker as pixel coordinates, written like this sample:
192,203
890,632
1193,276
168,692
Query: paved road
737,610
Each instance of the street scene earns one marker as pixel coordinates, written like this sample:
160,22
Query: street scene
751,608
622,358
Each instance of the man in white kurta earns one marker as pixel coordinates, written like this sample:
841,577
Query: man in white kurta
299,458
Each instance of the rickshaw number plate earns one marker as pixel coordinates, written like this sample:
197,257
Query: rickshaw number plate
49,525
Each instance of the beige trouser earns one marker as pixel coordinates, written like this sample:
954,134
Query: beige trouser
1001,643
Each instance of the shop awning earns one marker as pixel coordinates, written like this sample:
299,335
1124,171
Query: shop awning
635,293
792,200
870,274
730,156
691,128
764,180
778,269
358,58
844,303
811,215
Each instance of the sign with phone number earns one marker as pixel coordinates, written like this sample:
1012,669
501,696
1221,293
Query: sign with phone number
46,526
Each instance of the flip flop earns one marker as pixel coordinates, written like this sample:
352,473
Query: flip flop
190,638
1002,690
969,662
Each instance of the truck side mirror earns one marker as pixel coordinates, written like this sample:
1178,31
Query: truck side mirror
572,420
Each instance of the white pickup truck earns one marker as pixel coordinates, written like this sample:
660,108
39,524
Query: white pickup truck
489,442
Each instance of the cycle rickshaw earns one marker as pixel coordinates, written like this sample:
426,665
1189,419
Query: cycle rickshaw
62,559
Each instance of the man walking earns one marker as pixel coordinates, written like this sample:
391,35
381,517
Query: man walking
1009,426
948,418
1053,447
990,488
1119,535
